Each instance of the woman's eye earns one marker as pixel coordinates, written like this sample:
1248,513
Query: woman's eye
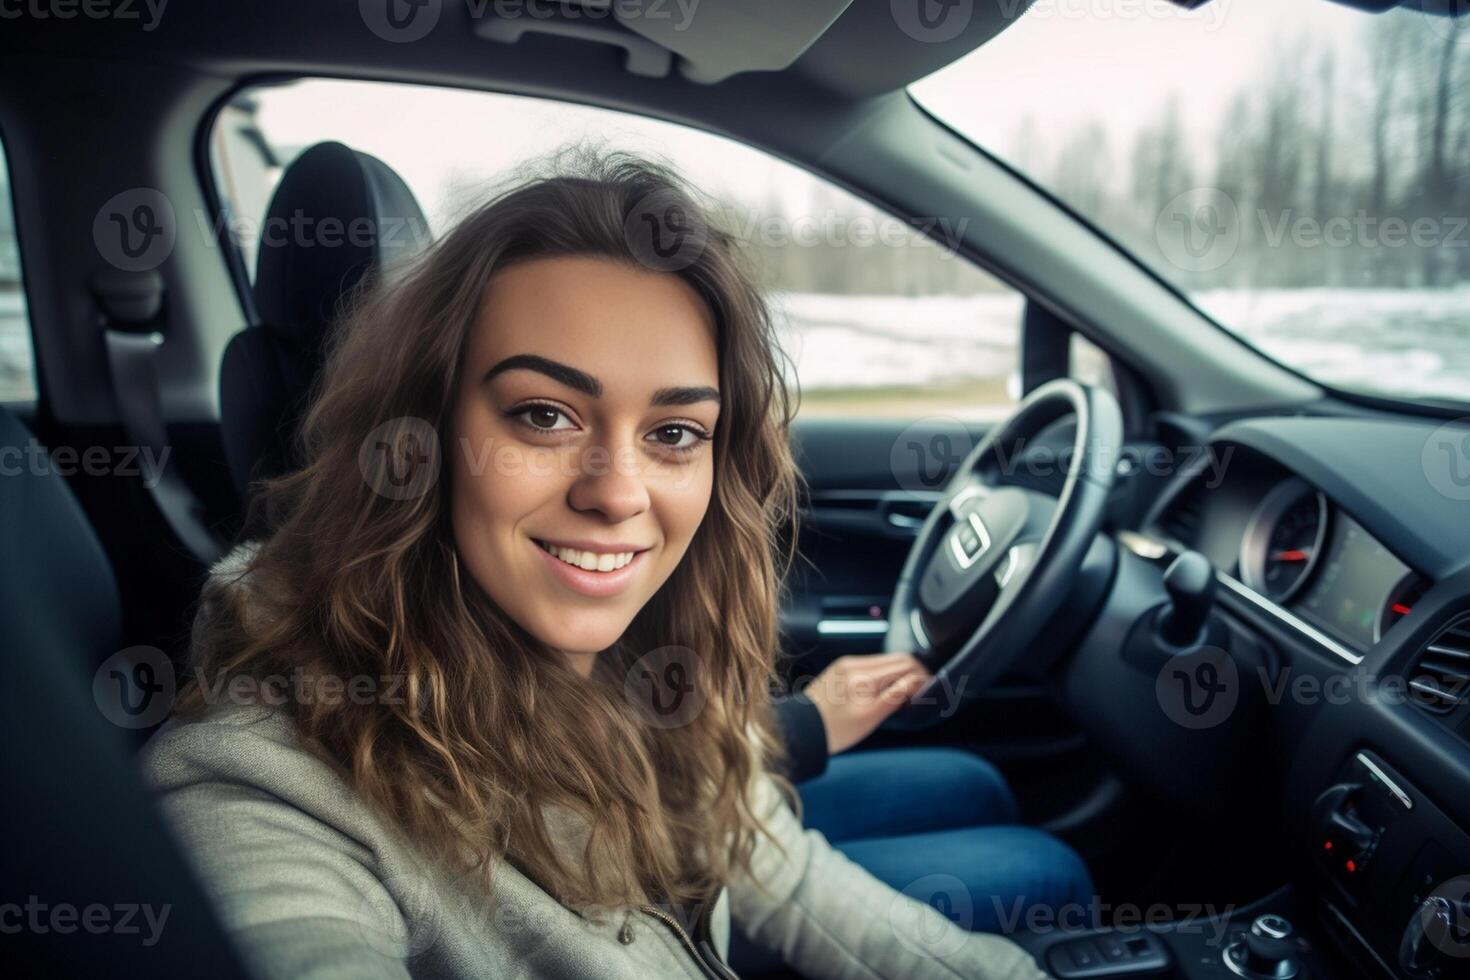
678,437
545,418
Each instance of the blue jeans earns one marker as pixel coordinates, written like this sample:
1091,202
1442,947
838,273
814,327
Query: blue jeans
907,815
942,826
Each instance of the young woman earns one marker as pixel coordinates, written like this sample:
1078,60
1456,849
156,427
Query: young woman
491,697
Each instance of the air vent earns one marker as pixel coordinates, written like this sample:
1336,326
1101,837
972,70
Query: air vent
1440,680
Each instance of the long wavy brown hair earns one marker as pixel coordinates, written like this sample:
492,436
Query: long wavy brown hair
493,730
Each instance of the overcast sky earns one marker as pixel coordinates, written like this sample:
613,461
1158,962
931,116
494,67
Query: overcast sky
430,135
1117,61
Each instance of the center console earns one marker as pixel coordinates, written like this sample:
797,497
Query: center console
1258,942
1383,892
1392,872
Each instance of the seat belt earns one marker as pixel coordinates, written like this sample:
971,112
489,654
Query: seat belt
131,306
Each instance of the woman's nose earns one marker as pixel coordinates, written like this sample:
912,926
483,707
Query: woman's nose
611,484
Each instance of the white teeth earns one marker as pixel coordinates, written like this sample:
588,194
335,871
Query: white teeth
591,561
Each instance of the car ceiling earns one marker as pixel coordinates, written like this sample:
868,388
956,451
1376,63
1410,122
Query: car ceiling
839,108
850,48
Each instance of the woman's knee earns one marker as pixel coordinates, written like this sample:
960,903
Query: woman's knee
977,787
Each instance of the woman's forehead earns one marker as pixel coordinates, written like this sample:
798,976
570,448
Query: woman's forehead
614,321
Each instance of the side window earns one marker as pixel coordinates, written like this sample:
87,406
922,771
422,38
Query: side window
17,357
878,318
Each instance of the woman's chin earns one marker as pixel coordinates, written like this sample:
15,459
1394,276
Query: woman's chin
583,642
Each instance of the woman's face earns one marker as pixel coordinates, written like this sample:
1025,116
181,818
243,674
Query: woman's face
581,463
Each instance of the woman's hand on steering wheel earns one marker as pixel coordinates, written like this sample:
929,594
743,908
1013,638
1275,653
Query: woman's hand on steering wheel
855,694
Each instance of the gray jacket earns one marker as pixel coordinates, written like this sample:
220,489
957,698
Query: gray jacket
311,884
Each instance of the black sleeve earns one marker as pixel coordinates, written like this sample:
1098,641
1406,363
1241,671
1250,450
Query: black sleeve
804,734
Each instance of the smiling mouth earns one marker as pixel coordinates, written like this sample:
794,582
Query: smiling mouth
588,561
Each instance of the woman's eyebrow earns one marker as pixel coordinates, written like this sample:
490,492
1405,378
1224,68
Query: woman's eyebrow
589,385
555,370
685,396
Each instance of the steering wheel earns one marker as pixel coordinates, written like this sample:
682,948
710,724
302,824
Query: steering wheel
994,561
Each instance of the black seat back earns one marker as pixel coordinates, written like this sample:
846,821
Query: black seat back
88,871
336,216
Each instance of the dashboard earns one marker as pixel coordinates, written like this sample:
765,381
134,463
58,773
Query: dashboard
1343,546
1296,546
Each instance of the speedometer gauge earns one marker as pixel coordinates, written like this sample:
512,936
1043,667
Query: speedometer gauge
1284,540
1409,590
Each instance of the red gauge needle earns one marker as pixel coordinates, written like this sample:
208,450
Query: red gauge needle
1293,555
1400,608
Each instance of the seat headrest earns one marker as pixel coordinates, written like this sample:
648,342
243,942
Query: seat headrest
336,214
53,571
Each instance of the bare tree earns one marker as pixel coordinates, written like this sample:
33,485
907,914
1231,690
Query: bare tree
1161,168
1324,194
1084,170
1387,46
1438,189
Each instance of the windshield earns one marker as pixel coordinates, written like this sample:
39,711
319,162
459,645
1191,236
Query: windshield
1297,167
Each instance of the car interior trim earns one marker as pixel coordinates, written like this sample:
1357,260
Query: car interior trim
1155,550
1388,784
852,627
1287,617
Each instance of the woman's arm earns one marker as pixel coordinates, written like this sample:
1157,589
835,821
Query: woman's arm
295,891
842,706
804,735
828,918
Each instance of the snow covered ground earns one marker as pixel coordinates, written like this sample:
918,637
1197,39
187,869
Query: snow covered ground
1406,342
843,341
1412,343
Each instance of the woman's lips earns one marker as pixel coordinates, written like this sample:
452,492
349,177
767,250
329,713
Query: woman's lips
599,585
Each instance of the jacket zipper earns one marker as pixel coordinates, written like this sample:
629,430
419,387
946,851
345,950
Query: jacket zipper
716,969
